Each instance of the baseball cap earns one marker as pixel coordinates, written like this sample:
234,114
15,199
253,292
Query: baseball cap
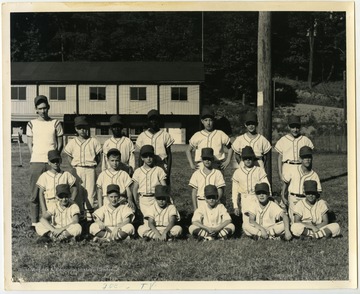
81,121
53,154
207,112
210,190
207,153
310,186
147,149
115,120
262,187
112,188
63,189
40,99
113,151
247,152
162,191
152,113
294,120
305,151
251,117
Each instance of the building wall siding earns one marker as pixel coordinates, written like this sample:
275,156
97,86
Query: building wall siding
62,106
24,106
137,107
87,106
190,106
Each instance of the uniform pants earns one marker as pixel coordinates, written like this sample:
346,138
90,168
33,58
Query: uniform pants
146,202
246,201
74,229
85,179
36,169
229,227
298,228
292,202
175,231
128,229
274,230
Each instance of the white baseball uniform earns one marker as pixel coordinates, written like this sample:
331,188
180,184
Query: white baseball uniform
296,178
147,179
161,216
124,145
48,182
199,180
312,214
108,177
268,217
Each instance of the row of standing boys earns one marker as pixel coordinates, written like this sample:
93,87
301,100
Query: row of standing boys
124,192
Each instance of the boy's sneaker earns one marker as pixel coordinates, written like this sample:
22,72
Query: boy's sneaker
274,238
43,239
209,238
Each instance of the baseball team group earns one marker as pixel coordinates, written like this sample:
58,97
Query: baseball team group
129,198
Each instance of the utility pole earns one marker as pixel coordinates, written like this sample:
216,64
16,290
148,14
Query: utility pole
264,101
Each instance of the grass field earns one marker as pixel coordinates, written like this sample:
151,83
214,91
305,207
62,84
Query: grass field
238,259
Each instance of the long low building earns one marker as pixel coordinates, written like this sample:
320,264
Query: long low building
101,89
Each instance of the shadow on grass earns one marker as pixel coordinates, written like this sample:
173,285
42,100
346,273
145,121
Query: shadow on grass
333,177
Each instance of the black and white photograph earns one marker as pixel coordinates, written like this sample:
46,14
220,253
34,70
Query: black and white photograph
179,146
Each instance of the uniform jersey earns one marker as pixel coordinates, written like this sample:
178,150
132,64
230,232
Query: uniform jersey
124,145
211,217
49,180
259,144
296,178
160,141
244,180
44,136
265,216
83,153
108,177
289,147
62,217
162,216
199,180
112,216
216,140
311,213
148,179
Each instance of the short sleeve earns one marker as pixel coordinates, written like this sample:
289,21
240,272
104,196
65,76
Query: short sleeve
224,213
100,180
135,176
236,146
52,210
127,180
266,145
41,182
220,181
168,140
70,179
279,146
298,209
174,212
323,207
225,140
235,177
194,142
198,216
309,143
139,141
161,174
74,208
99,214
69,147
97,146
106,147
59,129
29,127
193,182
128,213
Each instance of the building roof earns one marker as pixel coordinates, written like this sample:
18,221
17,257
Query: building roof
109,72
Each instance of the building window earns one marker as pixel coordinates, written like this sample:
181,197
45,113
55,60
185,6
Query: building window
57,93
18,93
97,93
179,93
138,93
103,130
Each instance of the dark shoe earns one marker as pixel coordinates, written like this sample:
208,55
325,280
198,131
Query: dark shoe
43,240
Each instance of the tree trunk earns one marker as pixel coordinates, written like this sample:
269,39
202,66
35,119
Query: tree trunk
311,57
264,82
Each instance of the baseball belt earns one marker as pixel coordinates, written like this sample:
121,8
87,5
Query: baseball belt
146,195
198,198
292,162
298,195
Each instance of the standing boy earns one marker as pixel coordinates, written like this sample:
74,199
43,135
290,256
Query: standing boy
84,154
267,219
162,218
311,215
43,134
146,178
211,221
113,220
113,175
206,175
292,190
61,221
257,142
121,143
160,140
49,180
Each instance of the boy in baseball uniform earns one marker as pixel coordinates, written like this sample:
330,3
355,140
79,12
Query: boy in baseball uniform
267,219
257,142
211,221
43,134
49,180
61,221
206,175
121,143
293,182
244,180
113,220
114,175
85,154
160,140
146,178
162,218
209,138
289,145
311,215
